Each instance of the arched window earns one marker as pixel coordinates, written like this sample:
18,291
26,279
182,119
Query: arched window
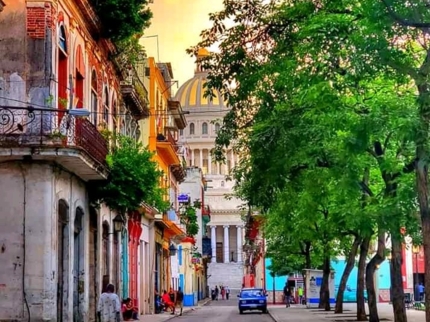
192,128
106,108
62,41
217,127
205,128
62,68
94,100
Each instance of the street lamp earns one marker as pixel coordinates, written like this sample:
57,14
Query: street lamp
118,223
172,250
416,251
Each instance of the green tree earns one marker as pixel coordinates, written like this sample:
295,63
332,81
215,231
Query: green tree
133,178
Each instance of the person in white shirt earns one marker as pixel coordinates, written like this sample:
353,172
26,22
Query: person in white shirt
109,307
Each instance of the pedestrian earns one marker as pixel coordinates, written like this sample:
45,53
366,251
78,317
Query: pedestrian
109,306
300,292
213,294
180,300
421,291
168,304
287,295
223,292
216,292
227,292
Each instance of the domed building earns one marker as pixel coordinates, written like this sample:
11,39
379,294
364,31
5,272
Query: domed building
225,227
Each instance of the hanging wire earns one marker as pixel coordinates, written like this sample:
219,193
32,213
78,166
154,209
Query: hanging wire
118,114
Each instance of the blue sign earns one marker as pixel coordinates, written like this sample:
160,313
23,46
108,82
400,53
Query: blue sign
183,198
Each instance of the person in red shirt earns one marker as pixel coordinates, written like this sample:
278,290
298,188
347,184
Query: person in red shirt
167,302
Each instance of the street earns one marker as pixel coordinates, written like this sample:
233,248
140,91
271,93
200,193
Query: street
223,311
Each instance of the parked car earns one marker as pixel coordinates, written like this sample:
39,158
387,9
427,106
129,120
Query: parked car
252,299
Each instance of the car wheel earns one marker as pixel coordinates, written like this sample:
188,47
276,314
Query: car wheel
264,310
241,311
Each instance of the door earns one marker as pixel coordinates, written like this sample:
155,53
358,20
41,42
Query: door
219,253
62,260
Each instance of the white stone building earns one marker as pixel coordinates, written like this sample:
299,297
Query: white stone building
204,119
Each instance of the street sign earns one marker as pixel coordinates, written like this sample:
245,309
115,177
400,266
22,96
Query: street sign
183,198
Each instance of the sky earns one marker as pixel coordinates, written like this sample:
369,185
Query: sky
178,24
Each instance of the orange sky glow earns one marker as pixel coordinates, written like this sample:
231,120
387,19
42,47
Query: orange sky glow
178,24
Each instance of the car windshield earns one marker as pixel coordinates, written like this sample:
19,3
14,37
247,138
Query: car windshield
251,293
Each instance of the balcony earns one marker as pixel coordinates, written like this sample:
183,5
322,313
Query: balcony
135,95
53,135
168,147
89,13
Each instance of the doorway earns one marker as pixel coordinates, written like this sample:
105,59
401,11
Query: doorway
219,253
62,260
78,265
93,244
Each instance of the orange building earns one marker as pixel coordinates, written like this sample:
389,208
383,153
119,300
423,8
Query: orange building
160,134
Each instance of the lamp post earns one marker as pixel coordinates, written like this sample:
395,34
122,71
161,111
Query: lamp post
416,251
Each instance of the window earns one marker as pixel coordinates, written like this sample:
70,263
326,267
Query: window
217,127
181,132
205,128
106,108
192,128
79,78
94,100
114,117
62,41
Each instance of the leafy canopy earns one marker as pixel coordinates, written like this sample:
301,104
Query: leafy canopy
188,217
133,179
122,19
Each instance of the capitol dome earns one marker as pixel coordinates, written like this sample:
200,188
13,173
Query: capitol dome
192,93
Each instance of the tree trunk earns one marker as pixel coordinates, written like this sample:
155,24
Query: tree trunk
345,275
397,291
361,308
325,286
370,277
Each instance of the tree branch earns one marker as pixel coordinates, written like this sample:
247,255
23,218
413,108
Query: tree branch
402,21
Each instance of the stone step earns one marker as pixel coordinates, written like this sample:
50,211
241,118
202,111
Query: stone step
228,274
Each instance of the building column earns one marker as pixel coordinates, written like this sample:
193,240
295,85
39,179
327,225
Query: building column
201,158
239,244
213,244
232,159
209,162
226,244
192,157
218,168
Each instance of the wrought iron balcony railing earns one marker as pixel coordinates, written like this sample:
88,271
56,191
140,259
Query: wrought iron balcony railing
39,127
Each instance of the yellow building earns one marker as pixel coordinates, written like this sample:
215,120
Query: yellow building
160,133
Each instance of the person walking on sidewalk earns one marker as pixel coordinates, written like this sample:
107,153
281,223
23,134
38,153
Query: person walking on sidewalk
300,291
180,300
109,307
287,295
227,292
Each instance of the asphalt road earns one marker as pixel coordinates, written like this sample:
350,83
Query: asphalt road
223,311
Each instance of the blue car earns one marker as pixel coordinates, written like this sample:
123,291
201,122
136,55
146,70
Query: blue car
252,299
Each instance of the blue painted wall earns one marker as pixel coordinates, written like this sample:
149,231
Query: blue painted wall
382,278
124,262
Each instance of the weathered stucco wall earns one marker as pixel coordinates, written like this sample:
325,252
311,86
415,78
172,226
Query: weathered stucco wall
29,243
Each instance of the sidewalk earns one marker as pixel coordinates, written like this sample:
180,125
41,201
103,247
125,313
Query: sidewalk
299,313
165,316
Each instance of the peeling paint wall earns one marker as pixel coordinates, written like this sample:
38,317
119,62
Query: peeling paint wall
29,244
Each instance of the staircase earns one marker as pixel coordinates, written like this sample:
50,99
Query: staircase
225,274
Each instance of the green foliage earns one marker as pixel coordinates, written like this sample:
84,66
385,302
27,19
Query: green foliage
188,217
133,178
325,116
123,19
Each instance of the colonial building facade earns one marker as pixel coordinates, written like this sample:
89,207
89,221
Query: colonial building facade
226,226
58,251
